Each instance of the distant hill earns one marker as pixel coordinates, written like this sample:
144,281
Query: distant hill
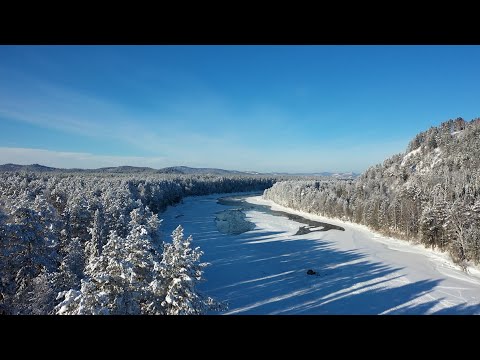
168,170
340,175
190,170
33,167
127,169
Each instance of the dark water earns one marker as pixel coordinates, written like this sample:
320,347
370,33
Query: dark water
239,203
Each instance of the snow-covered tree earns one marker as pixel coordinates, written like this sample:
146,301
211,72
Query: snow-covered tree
128,279
70,271
181,271
27,250
53,231
93,246
109,287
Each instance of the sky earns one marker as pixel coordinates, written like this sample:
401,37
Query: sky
251,108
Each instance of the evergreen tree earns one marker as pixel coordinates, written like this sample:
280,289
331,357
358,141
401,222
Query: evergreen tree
181,272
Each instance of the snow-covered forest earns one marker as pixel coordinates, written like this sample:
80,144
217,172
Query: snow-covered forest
89,243
431,193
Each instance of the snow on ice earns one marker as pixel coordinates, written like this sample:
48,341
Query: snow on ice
263,271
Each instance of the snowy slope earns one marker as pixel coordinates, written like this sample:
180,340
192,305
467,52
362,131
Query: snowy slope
263,271
409,155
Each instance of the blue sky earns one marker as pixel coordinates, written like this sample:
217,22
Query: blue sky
260,108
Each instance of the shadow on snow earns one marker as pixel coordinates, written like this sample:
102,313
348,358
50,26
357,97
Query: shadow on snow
265,272
345,283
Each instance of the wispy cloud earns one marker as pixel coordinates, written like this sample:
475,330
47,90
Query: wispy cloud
157,131
203,131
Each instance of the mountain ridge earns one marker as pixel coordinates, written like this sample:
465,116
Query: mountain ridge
168,170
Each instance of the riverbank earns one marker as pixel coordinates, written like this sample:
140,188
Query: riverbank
264,270
442,258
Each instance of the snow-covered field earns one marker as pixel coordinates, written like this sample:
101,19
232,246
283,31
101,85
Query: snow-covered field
264,271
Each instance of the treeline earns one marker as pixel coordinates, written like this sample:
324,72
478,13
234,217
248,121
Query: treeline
429,194
90,244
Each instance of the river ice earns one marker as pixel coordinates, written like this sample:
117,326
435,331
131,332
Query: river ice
264,270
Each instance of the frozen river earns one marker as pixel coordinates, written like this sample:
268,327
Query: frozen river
355,271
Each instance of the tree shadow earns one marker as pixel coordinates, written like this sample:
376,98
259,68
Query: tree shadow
265,272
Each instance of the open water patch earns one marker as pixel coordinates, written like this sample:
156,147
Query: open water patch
309,225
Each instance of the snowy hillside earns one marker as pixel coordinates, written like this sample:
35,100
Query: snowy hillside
431,193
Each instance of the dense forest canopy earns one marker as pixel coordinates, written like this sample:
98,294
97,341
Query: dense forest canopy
90,243
431,193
